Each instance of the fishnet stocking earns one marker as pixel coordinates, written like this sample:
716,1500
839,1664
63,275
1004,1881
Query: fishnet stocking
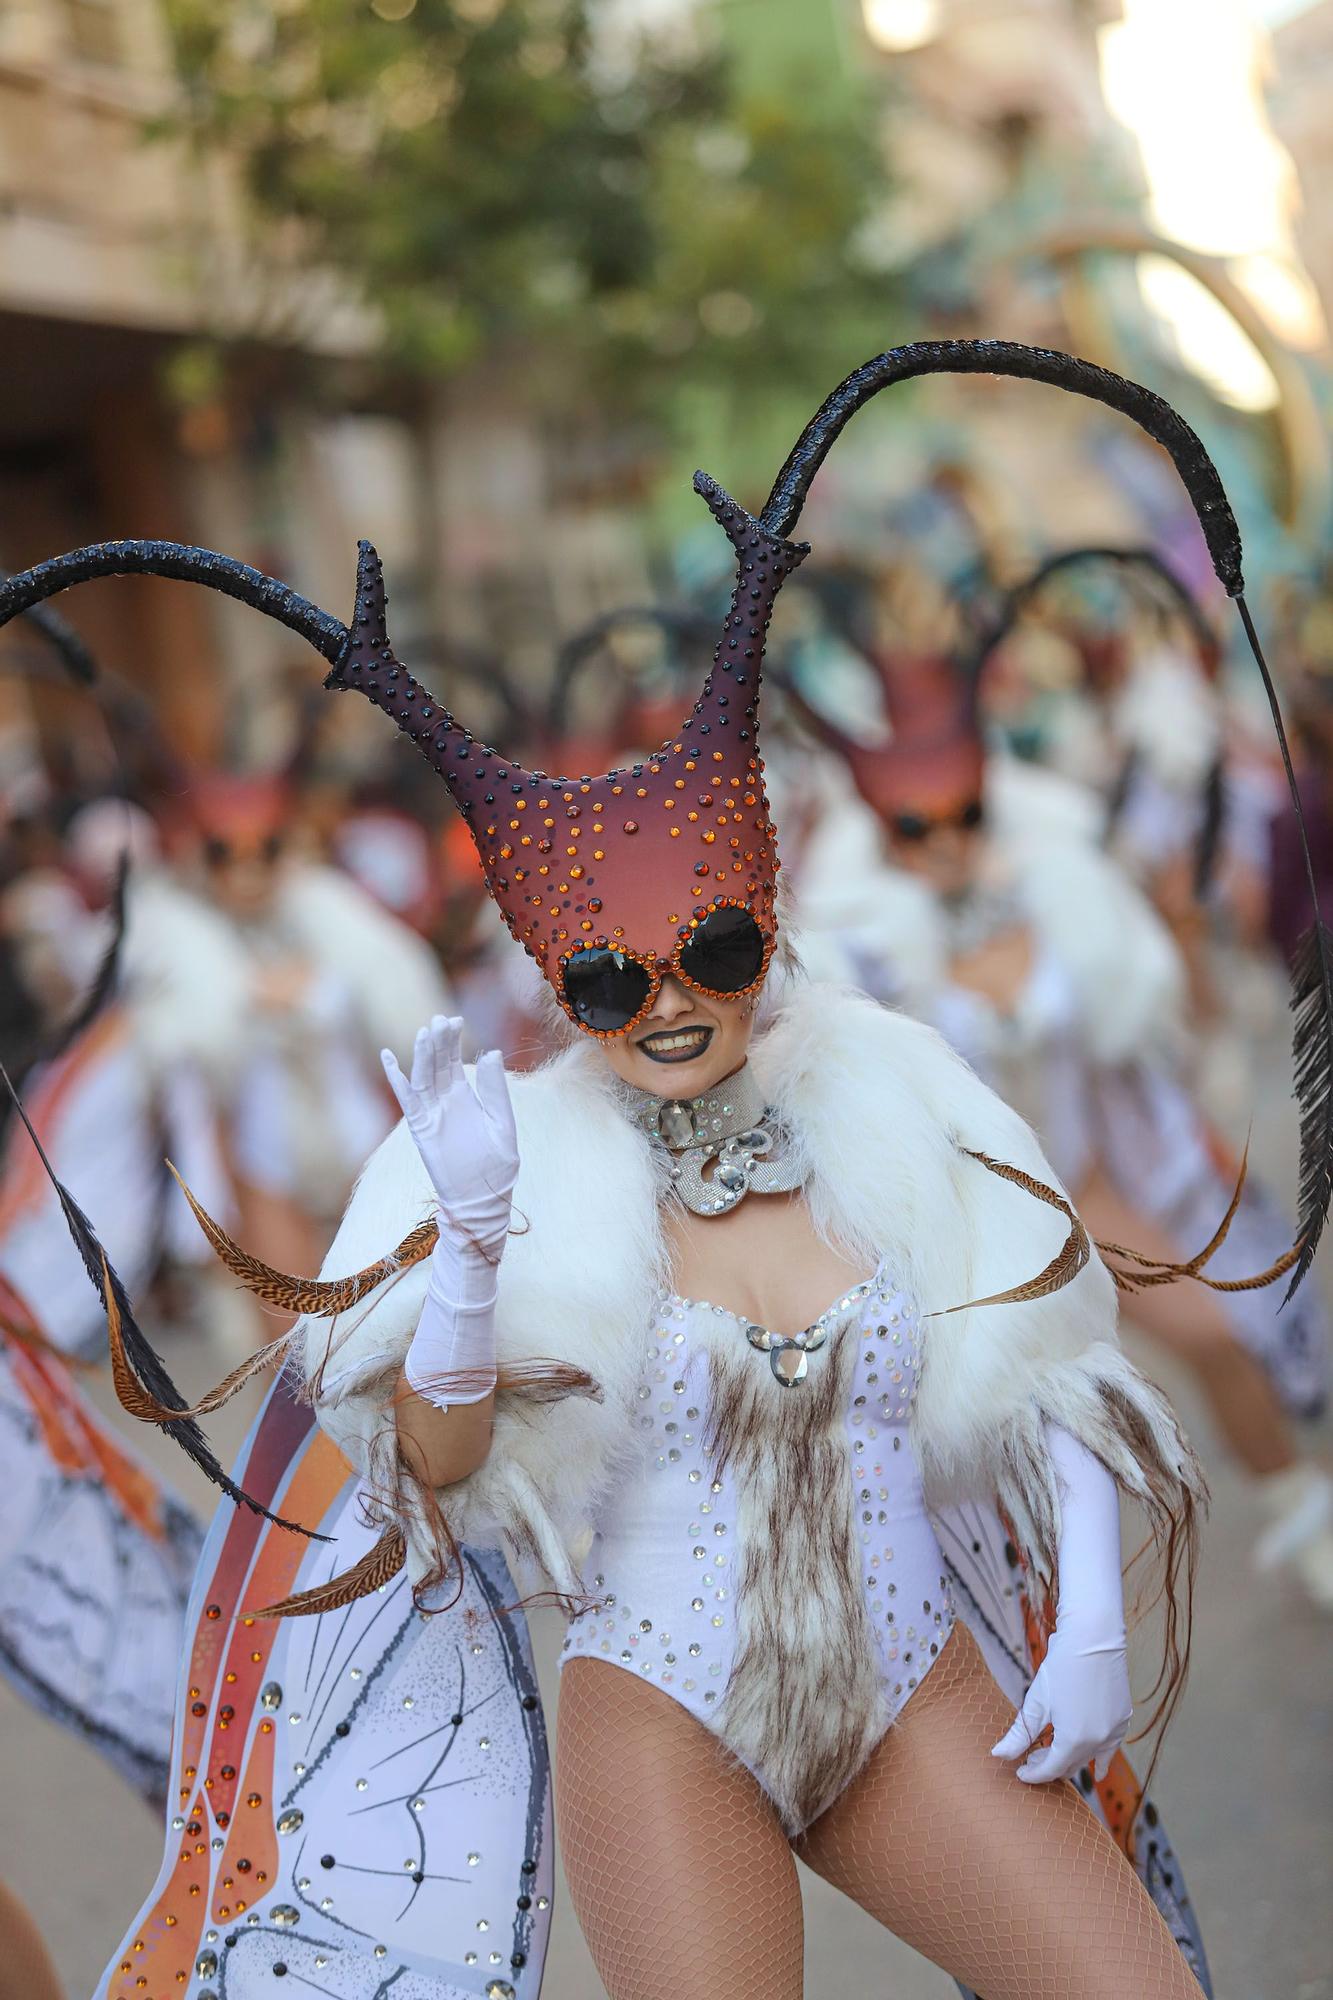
1017,1890
677,1866
26,1971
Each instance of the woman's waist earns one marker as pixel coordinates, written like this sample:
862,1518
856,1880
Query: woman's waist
652,1508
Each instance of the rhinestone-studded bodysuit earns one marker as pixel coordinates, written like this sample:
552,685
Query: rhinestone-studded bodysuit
767,1560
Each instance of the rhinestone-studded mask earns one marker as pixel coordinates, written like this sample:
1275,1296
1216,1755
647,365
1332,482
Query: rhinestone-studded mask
631,861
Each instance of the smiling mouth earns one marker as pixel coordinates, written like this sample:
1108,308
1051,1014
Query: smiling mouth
675,1045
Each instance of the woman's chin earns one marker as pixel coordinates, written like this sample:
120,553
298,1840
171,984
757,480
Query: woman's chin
684,1079
676,1079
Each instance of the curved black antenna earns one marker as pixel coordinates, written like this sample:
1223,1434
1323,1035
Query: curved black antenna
1034,364
74,655
19,593
682,623
1128,559
1312,990
126,713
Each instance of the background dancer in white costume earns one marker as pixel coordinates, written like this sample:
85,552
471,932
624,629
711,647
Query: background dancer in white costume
959,893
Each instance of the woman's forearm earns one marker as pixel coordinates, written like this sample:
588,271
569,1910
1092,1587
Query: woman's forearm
442,1446
1091,1588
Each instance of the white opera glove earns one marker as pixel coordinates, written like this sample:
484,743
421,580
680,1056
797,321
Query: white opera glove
1082,1686
464,1132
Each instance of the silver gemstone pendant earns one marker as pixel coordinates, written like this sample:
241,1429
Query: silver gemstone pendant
790,1363
676,1124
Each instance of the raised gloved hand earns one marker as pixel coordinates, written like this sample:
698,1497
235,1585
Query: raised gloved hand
1082,1686
464,1132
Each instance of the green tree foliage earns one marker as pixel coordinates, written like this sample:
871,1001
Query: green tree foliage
636,223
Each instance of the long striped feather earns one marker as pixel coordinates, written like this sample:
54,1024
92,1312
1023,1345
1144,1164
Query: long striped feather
1063,1268
141,1358
320,1298
377,1567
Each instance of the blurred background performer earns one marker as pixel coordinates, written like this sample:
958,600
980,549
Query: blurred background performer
963,886
325,976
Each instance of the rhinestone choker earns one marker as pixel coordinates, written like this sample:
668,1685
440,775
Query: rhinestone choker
723,1145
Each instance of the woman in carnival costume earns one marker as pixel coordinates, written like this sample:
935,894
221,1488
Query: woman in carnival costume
699,1326
961,888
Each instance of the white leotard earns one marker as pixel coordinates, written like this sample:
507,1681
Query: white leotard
693,1561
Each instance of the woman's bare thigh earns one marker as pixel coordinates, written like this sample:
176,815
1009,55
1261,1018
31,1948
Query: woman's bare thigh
677,1865
1017,1890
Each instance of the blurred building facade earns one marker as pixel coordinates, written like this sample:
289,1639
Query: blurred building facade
125,273
123,276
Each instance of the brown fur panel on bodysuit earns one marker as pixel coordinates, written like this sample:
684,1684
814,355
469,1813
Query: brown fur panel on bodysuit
805,1702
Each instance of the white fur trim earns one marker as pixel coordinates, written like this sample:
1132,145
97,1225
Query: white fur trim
884,1114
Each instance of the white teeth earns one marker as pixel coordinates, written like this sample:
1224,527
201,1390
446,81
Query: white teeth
689,1038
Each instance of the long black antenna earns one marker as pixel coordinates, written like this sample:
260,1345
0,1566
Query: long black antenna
327,634
1312,991
1033,364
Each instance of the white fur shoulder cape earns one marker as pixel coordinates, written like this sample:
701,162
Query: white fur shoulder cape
885,1116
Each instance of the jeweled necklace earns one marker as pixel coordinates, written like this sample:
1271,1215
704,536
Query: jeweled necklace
724,1144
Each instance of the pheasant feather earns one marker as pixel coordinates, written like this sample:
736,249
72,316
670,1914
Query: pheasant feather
1067,1262
144,1365
377,1567
321,1298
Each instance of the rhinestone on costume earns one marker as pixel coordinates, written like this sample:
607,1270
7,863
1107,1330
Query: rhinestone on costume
789,1365
291,1821
284,1915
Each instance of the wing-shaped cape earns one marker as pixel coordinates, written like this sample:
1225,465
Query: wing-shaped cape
96,1557
356,1798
